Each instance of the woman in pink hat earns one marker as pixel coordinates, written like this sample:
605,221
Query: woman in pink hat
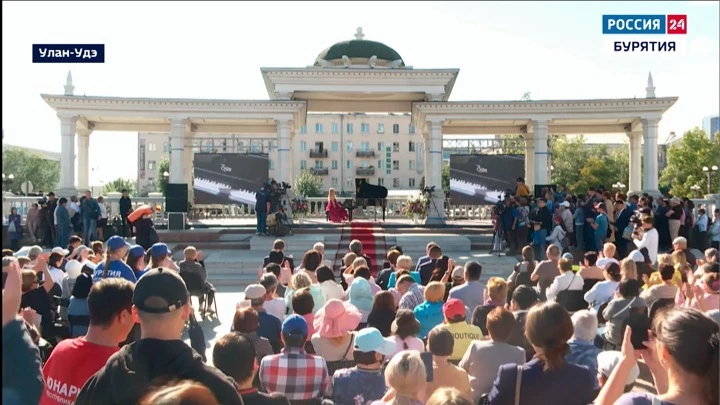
334,323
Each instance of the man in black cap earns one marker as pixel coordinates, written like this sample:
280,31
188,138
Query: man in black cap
162,306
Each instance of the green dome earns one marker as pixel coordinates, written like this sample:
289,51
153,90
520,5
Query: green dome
359,48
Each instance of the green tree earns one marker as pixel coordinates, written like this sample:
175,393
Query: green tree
120,184
161,181
308,184
27,166
446,177
685,160
579,167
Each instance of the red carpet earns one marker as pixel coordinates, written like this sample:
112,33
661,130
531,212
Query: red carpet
365,233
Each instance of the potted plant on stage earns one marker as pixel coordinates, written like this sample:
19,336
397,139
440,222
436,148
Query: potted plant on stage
415,208
300,208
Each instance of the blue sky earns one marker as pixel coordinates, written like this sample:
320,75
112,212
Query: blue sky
215,50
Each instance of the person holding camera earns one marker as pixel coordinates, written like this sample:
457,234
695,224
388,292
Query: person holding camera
647,237
262,207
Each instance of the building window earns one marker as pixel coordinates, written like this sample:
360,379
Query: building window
381,146
411,129
303,146
411,146
318,164
396,146
350,183
349,128
334,182
380,164
396,164
364,146
334,164
335,146
272,164
303,129
396,182
303,165
348,146
380,128
319,146
396,128
411,183
166,147
335,128
365,128
151,147
151,164
411,165
348,164
381,182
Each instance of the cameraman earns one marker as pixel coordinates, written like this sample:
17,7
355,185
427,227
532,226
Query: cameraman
274,196
647,237
262,207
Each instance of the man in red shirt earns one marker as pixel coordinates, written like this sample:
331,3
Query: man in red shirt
74,361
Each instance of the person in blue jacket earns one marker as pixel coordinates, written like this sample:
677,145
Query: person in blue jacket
114,264
430,312
90,211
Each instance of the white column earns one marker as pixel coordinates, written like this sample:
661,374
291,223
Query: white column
83,160
284,162
433,174
634,168
177,150
650,153
541,152
68,125
530,161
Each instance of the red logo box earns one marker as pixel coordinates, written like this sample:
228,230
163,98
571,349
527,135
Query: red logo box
677,24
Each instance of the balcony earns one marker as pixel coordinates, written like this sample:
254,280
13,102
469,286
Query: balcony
319,153
365,171
365,154
323,171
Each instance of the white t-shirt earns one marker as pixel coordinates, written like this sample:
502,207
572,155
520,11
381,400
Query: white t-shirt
276,307
602,263
57,275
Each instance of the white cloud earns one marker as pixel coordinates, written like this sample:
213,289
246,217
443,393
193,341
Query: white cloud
702,46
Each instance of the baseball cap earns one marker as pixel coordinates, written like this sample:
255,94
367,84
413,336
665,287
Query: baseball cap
160,291
254,291
371,340
565,204
458,272
159,249
116,242
295,325
568,256
453,308
608,360
73,268
136,251
60,251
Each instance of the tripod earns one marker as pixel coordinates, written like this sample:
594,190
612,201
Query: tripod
429,196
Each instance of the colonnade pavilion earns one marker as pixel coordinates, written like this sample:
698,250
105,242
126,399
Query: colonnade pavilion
359,75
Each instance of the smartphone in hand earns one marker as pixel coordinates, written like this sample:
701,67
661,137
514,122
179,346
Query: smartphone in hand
639,325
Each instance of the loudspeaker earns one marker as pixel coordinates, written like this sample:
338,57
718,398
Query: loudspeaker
176,197
176,221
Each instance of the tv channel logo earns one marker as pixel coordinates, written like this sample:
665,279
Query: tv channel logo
644,34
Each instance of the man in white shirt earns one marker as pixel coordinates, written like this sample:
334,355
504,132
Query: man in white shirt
648,239
74,206
608,256
567,216
568,280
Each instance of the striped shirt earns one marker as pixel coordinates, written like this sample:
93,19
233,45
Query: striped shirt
412,298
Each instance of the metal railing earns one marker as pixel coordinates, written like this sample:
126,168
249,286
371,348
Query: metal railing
365,171
320,171
316,205
365,153
318,153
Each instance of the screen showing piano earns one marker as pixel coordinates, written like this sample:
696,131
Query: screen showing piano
483,179
229,178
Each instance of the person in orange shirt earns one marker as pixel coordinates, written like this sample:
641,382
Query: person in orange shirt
522,189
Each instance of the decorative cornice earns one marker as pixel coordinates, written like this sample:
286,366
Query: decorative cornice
342,72
469,106
92,101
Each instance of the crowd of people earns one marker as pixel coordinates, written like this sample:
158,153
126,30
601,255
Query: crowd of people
424,331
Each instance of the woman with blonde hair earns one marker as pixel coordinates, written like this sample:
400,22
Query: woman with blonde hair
449,396
300,281
404,262
430,312
628,269
335,211
349,270
405,378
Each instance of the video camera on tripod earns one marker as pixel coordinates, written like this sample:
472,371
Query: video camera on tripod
279,189
428,191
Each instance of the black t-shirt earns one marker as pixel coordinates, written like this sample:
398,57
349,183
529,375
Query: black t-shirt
545,218
39,300
252,397
677,212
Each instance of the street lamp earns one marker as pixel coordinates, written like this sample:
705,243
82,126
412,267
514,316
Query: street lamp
619,186
166,175
709,171
696,190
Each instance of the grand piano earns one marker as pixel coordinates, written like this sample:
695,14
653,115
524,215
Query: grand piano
367,195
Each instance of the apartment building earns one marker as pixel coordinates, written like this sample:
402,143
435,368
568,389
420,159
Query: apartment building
382,148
